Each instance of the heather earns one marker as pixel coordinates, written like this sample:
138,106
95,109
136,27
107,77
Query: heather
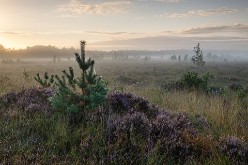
126,130
29,100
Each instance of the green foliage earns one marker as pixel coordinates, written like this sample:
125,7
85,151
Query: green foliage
242,93
197,59
46,82
192,80
76,94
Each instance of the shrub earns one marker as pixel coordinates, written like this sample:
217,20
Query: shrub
192,80
133,132
125,126
235,148
127,103
174,137
127,137
166,131
8,99
32,99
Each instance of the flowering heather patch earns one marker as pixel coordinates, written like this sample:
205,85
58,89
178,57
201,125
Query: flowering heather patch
168,134
234,148
126,103
166,125
162,132
8,99
127,136
126,130
125,126
32,99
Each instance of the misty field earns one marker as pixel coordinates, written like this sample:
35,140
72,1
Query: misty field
219,117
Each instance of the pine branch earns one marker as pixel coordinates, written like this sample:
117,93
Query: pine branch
46,82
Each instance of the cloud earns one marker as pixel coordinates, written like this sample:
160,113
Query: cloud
13,33
175,42
107,33
113,33
169,1
160,1
240,28
165,1
220,11
76,8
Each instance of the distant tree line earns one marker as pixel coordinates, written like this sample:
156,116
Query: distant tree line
40,51
181,55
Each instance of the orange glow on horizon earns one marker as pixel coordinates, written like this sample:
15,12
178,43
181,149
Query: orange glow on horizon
8,44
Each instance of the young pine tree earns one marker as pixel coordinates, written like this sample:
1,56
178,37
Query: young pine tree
197,59
77,94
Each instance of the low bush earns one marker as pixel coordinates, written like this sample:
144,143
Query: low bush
29,100
192,80
234,148
167,137
127,103
127,138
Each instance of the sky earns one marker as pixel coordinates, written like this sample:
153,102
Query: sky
125,24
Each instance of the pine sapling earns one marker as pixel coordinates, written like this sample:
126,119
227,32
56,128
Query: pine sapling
76,94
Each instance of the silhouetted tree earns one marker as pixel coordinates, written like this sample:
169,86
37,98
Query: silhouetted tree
173,58
186,58
147,58
179,59
197,59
